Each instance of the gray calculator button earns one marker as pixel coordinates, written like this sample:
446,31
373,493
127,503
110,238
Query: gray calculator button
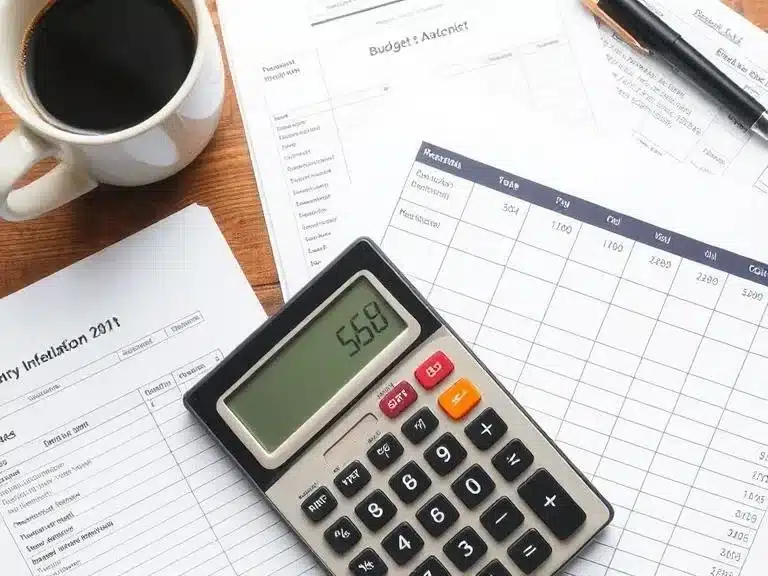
487,429
368,563
352,479
319,504
342,535
385,452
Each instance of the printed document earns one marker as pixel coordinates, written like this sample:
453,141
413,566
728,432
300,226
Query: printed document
670,116
311,75
628,315
102,471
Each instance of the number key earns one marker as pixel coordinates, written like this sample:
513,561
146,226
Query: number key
402,544
430,567
445,454
410,482
473,486
465,549
375,511
437,515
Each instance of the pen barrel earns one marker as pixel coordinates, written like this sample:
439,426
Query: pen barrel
642,24
689,62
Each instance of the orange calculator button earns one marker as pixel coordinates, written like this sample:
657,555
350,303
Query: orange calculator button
458,400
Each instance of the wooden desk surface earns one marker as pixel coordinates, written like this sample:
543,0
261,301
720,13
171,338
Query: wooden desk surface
221,179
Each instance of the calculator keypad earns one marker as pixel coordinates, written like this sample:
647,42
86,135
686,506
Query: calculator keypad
448,488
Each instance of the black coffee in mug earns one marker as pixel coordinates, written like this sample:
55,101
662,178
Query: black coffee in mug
105,65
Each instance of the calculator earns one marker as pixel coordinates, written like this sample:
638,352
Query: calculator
385,443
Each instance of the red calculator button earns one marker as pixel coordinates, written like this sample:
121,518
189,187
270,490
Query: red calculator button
434,370
398,399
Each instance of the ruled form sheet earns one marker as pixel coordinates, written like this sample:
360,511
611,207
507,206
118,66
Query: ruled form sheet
102,471
629,315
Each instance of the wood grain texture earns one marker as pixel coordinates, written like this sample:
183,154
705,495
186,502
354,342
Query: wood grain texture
221,178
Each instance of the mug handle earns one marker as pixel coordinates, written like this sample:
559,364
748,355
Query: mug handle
20,151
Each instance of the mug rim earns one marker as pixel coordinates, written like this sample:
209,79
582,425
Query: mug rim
38,124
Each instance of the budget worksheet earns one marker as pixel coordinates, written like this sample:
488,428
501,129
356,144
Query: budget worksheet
670,116
311,76
628,314
102,471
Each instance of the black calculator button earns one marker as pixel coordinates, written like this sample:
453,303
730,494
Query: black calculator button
430,567
437,515
402,544
410,482
342,535
319,504
375,511
485,430
501,519
530,551
512,460
495,568
552,504
384,453
465,549
473,487
352,479
419,426
368,563
445,454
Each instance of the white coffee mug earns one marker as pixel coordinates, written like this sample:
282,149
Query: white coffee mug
147,152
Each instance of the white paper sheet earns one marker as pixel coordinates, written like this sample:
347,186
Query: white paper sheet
102,471
670,116
312,74
646,366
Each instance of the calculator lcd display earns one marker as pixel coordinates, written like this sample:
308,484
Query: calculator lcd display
300,378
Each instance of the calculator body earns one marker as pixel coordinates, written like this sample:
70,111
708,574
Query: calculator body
417,461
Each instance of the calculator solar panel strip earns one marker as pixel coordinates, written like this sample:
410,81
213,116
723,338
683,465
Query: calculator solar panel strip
422,464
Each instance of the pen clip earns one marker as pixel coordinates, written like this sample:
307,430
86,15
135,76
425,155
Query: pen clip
594,7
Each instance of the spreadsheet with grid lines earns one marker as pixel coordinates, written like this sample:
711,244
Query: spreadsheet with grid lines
640,351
